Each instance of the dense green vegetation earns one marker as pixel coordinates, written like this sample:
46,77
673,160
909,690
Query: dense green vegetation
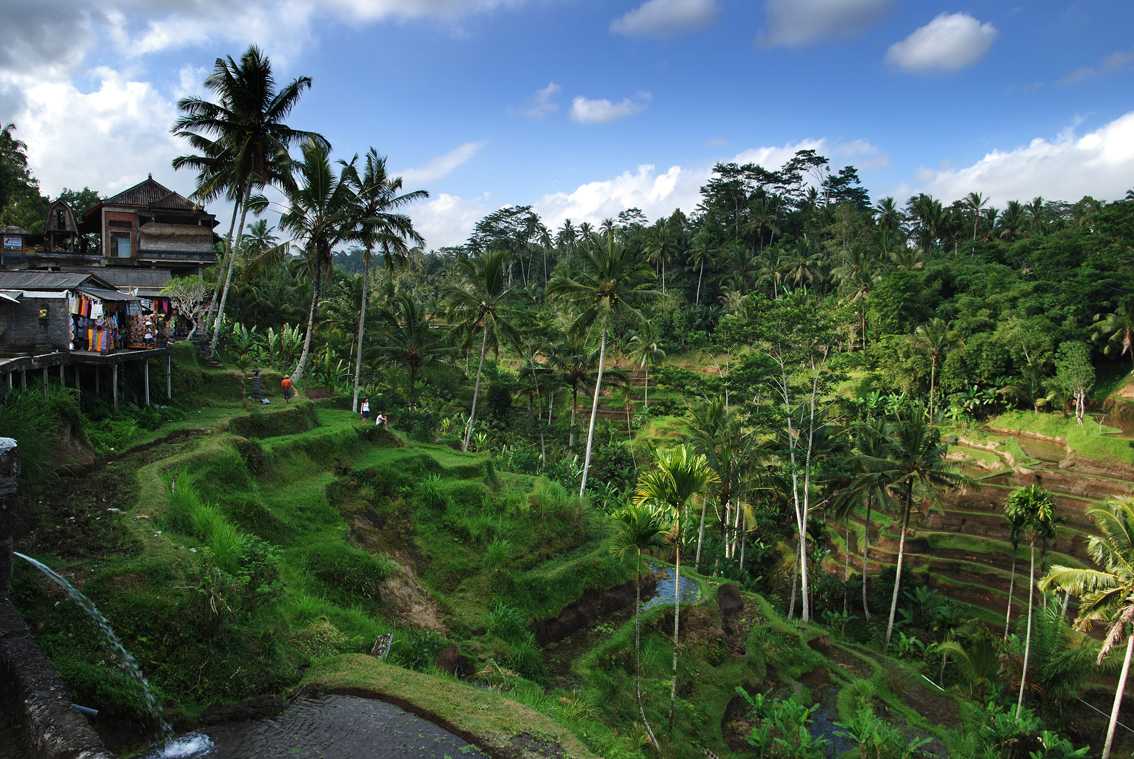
845,421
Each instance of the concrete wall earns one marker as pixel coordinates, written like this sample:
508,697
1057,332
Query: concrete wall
33,690
22,330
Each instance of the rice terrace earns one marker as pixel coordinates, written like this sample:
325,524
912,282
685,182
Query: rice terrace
566,379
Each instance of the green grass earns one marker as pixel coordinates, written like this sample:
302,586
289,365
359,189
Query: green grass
1089,440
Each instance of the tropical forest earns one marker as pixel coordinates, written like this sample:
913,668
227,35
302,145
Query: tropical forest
801,471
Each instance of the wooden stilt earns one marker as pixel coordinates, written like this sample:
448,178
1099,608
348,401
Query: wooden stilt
62,375
97,382
169,376
146,374
45,383
24,379
114,384
10,381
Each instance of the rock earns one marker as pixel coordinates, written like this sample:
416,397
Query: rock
451,660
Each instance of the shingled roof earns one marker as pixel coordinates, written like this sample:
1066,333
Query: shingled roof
151,194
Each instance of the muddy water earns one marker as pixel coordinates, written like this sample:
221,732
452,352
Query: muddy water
338,727
1043,450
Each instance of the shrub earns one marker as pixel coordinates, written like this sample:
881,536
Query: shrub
348,571
783,728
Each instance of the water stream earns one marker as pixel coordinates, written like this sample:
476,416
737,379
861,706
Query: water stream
172,748
663,593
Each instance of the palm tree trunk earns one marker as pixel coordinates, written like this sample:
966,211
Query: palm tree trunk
361,329
846,564
865,550
676,619
700,537
594,414
574,404
1011,587
297,375
794,579
901,556
663,275
1028,634
932,385
215,302
700,273
646,398
638,649
228,274
476,389
1118,699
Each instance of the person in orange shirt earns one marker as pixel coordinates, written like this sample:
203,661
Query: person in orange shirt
285,383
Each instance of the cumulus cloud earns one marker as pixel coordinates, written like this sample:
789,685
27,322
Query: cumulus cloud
1114,62
799,22
43,36
544,102
949,42
107,137
447,219
601,111
1099,163
441,166
663,18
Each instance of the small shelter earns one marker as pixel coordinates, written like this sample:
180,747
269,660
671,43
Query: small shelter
60,230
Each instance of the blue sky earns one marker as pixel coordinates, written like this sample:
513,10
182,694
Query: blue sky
585,107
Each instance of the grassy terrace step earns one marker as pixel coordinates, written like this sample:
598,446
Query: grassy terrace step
502,726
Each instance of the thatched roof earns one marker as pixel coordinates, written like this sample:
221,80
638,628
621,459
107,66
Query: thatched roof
151,194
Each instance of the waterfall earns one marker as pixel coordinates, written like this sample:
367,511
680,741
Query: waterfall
193,744
127,660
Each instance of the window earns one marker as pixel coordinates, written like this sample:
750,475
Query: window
60,223
120,246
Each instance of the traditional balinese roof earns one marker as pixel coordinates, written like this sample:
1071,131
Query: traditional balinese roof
151,194
48,280
128,277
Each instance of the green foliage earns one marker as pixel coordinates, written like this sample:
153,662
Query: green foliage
347,572
37,424
783,728
875,738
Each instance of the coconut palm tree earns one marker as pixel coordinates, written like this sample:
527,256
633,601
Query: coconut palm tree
914,462
868,484
679,476
646,351
1032,509
571,363
609,282
377,200
1105,594
320,207
241,139
889,219
932,338
479,303
975,202
639,528
1014,539
410,339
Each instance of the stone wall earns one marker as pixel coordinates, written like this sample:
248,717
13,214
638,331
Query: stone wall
22,330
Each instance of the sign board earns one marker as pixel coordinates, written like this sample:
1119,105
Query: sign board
13,242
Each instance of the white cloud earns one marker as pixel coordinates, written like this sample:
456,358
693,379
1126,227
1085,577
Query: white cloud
949,42
662,18
1114,62
441,166
601,111
544,102
107,137
799,22
447,219
1099,163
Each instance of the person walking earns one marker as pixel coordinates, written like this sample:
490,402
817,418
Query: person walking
364,409
286,386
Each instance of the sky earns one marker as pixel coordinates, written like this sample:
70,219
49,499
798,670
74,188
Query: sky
583,108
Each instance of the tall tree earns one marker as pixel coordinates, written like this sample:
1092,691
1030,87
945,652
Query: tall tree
1106,594
679,476
975,202
646,351
479,303
320,204
1074,375
409,339
241,140
1033,509
932,338
378,198
914,463
639,529
606,287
